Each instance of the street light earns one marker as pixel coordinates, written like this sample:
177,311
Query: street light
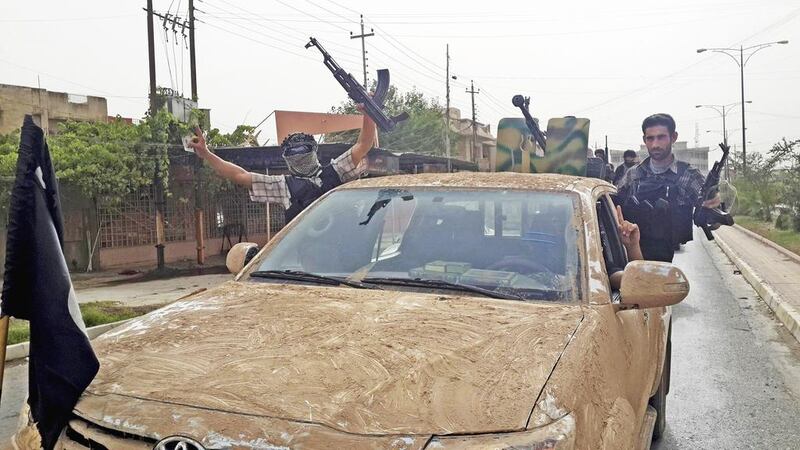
742,61
721,110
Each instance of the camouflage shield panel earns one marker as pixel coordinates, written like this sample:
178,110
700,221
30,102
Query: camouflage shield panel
515,145
567,147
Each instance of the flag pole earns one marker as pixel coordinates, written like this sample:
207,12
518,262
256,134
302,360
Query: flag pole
3,342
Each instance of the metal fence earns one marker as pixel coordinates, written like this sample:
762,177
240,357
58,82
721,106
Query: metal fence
132,221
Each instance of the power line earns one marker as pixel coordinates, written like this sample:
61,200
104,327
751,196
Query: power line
310,15
71,19
252,14
347,19
299,55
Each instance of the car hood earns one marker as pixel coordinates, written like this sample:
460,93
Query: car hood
358,361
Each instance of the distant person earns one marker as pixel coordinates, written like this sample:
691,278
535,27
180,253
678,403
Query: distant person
630,159
308,179
660,193
600,153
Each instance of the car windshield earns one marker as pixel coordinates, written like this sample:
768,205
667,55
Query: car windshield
517,244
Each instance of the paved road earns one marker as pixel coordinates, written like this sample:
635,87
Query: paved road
735,370
151,292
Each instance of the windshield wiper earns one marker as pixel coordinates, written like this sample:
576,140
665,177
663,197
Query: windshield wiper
441,284
299,275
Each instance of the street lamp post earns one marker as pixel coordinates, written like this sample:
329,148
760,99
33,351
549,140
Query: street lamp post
723,110
742,61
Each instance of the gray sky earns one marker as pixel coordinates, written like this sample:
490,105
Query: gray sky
614,61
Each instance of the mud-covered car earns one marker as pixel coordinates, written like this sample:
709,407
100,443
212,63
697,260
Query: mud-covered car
434,311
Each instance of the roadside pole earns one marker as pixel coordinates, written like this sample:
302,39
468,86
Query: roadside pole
3,341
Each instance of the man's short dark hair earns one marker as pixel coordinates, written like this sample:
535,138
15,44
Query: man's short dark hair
660,119
599,151
629,154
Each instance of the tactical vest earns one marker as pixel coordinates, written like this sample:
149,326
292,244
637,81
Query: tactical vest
656,207
303,191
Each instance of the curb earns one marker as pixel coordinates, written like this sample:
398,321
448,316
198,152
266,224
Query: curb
777,247
21,350
785,312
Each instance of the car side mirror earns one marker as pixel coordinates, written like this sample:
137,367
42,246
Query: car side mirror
652,284
240,255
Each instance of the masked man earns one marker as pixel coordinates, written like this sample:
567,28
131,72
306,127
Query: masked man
631,159
308,179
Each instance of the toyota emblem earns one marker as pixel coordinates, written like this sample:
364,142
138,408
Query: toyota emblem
178,443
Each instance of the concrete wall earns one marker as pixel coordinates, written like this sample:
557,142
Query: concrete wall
48,108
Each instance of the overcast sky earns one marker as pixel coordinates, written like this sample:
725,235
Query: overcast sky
614,61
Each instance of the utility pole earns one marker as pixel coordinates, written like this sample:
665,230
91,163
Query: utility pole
447,112
192,59
151,54
472,91
158,182
199,215
363,36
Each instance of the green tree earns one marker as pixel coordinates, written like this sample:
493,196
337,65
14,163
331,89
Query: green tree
8,163
787,153
108,161
758,188
423,132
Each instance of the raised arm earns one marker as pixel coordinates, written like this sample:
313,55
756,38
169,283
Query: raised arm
629,233
366,139
221,167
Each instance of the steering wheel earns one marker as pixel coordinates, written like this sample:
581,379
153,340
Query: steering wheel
519,264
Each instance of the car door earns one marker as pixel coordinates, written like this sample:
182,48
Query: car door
634,324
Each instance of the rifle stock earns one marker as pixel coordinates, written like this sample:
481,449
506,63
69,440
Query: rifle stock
373,106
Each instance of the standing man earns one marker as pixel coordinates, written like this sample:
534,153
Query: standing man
308,179
630,160
660,193
600,153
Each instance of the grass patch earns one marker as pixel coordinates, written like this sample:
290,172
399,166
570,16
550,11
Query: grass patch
94,313
785,238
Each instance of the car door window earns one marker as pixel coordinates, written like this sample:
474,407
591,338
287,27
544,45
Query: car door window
613,251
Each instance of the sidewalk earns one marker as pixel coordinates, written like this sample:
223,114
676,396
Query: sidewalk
214,264
773,271
139,286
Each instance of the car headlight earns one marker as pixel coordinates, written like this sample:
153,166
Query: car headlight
559,435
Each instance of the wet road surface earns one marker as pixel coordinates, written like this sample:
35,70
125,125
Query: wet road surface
735,369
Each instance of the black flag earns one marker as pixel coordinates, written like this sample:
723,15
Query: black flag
37,288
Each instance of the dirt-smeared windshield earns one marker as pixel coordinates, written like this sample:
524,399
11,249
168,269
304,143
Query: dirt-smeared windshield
507,244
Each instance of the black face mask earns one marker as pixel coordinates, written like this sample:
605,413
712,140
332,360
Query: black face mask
630,164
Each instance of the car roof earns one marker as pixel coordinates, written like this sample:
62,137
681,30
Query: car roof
501,180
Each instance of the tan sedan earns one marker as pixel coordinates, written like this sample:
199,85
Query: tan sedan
435,311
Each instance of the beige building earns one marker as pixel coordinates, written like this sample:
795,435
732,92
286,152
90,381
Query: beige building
697,157
463,148
47,108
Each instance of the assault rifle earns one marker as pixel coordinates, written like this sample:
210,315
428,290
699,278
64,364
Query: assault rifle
711,218
373,106
522,103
